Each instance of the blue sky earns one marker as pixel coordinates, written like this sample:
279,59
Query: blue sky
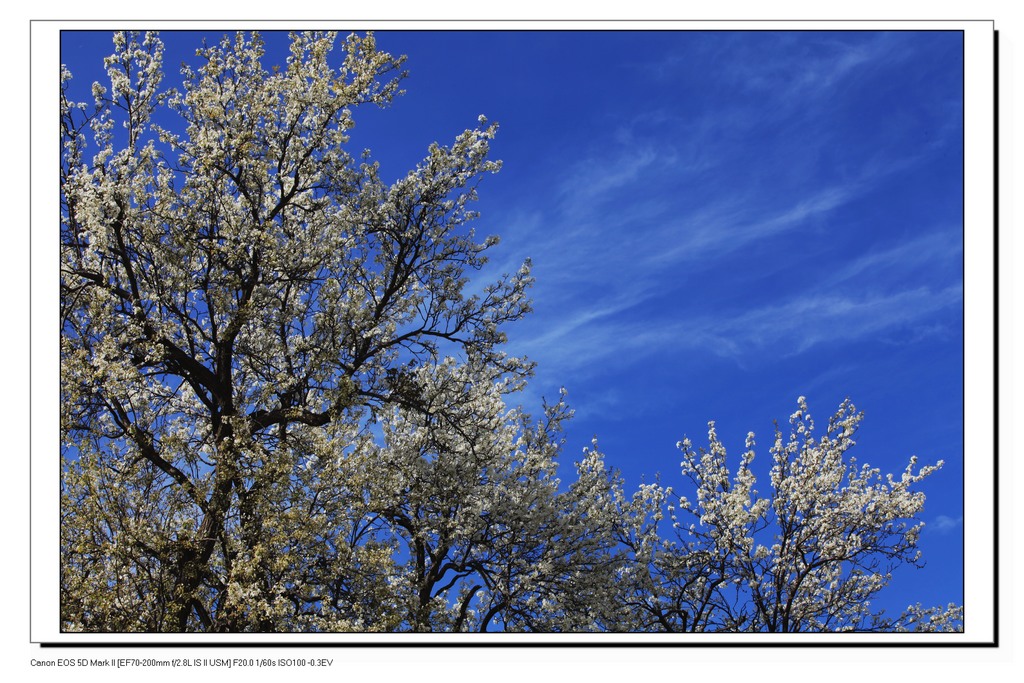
720,222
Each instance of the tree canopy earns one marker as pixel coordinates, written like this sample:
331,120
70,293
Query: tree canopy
286,406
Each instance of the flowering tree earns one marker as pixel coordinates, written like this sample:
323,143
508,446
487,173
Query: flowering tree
239,303
282,409
810,556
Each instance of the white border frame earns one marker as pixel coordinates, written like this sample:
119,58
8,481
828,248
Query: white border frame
979,345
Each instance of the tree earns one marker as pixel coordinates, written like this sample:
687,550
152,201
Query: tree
810,556
284,410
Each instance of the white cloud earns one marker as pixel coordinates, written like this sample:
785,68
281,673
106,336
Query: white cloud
791,327
945,524
939,246
800,323
594,177
726,227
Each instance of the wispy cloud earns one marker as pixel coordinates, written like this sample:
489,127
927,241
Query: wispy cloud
710,228
837,62
728,226
596,275
776,331
944,524
801,323
940,248
587,179
788,68
793,77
